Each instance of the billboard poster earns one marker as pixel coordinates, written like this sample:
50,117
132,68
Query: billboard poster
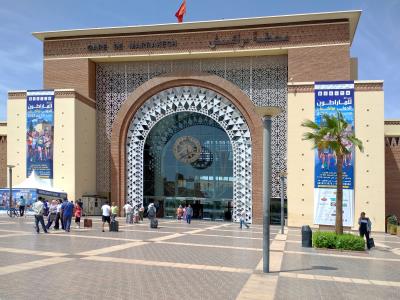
29,195
330,98
40,133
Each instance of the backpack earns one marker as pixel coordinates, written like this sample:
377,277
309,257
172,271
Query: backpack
151,212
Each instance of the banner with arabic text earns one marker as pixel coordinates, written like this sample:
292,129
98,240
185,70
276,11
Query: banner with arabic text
40,133
330,98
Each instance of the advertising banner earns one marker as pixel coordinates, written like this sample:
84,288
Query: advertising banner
330,98
40,133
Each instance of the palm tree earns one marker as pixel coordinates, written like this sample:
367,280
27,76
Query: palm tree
336,134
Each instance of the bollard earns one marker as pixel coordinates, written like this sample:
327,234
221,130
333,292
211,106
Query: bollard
306,236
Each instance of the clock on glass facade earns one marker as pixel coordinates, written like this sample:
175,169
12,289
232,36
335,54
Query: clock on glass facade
187,149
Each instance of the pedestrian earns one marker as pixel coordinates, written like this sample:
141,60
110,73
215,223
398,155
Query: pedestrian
141,212
67,209
128,212
58,216
365,228
152,215
52,214
114,212
21,203
136,216
243,219
179,212
189,214
151,211
45,207
78,214
105,214
184,213
38,211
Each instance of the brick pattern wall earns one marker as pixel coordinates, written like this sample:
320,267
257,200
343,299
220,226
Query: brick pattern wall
3,161
319,63
78,74
392,175
314,61
184,42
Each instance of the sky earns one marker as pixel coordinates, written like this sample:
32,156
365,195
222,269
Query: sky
376,44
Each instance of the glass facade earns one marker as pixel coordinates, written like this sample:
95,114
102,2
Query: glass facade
188,159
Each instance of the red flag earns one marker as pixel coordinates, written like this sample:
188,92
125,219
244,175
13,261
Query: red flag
181,11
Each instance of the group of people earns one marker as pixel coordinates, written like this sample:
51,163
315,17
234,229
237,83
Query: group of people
133,213
58,211
185,213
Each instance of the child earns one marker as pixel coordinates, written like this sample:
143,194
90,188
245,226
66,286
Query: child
78,214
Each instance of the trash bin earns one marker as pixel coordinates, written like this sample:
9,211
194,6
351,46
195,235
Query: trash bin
306,236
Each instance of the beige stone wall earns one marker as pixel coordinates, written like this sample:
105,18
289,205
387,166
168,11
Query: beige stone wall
392,128
64,145
16,139
85,150
370,165
300,161
74,142
369,172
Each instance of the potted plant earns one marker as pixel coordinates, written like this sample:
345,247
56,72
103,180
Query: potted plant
392,224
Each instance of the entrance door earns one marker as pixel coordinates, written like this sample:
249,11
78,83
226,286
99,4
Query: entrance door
188,160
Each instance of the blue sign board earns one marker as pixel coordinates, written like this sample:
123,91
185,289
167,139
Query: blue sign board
330,98
40,133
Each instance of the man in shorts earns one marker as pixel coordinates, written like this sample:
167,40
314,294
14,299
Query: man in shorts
105,214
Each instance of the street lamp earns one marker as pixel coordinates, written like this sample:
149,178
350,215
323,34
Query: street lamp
10,167
266,113
282,177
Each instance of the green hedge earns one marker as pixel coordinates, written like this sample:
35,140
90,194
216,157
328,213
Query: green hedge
330,240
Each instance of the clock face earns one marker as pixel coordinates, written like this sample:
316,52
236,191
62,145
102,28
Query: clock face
187,149
205,160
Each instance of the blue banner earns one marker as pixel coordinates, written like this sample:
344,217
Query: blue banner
40,133
330,98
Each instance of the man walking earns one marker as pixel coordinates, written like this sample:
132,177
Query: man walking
38,211
243,219
128,212
105,214
189,214
21,203
67,210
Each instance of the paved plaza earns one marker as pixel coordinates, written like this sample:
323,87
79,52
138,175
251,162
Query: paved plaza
204,260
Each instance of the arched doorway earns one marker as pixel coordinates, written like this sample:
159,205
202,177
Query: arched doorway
188,159
173,105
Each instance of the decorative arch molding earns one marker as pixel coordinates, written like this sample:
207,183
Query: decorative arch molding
205,102
149,97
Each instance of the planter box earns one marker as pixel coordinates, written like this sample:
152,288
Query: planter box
392,229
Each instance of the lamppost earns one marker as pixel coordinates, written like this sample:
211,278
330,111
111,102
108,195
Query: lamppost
10,167
266,113
282,177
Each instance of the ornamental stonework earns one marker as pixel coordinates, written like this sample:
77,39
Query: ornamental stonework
237,39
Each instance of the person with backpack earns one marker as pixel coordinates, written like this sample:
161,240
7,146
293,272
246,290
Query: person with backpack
151,214
365,229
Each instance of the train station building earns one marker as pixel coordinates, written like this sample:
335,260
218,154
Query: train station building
168,114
